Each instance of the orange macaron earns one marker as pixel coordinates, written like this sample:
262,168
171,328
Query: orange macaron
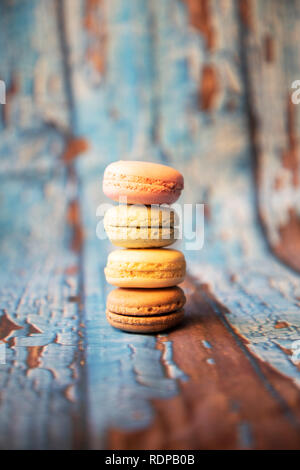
142,182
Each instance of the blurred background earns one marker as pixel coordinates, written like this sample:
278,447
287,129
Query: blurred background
201,85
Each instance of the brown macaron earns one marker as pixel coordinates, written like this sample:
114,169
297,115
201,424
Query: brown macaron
145,310
144,302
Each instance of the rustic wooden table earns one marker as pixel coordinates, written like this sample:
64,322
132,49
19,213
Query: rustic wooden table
201,85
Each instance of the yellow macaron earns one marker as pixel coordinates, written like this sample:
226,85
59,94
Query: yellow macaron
139,226
151,268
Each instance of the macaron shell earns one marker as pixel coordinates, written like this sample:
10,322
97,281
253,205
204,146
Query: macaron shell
133,237
155,258
142,182
145,302
140,168
148,324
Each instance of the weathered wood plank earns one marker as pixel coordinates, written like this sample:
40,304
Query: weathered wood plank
226,402
36,115
41,392
171,127
271,34
160,81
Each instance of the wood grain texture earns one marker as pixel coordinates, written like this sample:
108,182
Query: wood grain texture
272,62
216,410
184,83
41,389
40,380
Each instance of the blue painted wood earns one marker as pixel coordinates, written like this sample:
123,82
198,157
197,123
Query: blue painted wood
41,377
129,77
40,382
35,118
273,63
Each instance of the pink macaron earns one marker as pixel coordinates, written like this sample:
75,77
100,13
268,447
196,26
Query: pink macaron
142,182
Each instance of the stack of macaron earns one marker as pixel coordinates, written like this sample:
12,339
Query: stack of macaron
147,298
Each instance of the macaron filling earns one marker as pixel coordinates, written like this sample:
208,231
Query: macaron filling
146,324
147,184
137,274
141,311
